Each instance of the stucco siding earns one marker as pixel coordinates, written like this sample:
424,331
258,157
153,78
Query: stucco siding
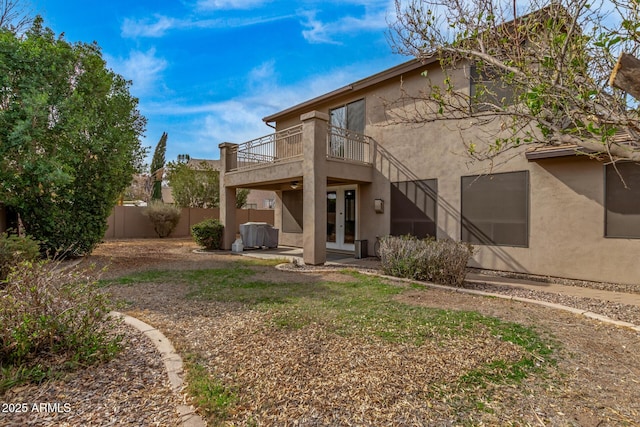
565,195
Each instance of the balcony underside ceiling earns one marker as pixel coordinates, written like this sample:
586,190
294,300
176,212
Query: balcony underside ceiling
281,176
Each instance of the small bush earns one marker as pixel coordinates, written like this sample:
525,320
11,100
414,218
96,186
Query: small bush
52,320
439,261
208,233
14,250
163,217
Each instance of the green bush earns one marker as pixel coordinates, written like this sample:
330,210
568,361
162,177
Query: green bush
439,261
208,233
163,217
14,250
53,320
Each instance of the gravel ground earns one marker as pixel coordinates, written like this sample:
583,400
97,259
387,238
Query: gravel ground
616,311
312,378
130,390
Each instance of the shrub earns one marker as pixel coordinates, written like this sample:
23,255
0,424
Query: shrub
163,217
14,250
439,261
52,320
208,233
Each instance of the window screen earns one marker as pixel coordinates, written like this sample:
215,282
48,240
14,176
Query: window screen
413,208
489,91
292,211
495,209
349,116
345,121
622,205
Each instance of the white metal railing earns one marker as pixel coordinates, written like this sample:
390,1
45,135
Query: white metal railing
281,145
348,145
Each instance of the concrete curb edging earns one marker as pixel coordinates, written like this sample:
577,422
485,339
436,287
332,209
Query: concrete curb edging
555,306
172,362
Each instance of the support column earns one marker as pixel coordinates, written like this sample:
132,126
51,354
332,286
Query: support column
314,192
227,195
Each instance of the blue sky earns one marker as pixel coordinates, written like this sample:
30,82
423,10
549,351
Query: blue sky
208,71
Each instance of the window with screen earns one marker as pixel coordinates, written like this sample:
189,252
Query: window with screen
488,90
413,208
344,121
622,204
495,209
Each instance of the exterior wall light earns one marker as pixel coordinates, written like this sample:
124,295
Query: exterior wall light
378,205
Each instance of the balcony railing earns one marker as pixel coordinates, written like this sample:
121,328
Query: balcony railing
342,144
347,145
278,146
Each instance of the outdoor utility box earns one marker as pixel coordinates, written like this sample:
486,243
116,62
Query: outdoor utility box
361,249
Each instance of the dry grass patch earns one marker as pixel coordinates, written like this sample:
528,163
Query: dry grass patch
338,352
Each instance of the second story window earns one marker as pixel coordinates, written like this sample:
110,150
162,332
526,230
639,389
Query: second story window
489,90
349,116
347,123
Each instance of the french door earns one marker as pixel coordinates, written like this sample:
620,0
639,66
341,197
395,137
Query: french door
341,218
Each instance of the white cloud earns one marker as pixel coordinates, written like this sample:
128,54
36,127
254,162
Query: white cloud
148,28
143,68
240,119
317,31
158,27
229,4
373,19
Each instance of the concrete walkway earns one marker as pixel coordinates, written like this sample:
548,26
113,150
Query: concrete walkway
574,291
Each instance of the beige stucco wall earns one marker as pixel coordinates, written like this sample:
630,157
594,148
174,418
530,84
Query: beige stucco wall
566,226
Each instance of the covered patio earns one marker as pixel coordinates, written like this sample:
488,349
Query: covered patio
302,164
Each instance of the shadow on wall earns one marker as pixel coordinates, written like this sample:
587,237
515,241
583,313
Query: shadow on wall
127,222
395,171
580,174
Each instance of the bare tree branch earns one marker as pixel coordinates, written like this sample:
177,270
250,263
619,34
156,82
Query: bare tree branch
14,15
555,58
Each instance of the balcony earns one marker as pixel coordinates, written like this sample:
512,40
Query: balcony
341,144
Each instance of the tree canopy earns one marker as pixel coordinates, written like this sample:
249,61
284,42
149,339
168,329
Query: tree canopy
195,185
157,167
540,75
69,137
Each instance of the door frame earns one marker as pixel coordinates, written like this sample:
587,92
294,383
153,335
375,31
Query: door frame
340,209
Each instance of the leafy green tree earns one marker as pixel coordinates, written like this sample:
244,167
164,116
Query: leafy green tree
194,186
157,166
69,137
241,197
554,58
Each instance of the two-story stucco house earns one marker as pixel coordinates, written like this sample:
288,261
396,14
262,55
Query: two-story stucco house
342,173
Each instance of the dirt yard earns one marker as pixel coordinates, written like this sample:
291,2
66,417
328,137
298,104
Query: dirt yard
595,380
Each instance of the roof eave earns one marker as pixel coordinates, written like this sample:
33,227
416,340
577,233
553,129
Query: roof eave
382,76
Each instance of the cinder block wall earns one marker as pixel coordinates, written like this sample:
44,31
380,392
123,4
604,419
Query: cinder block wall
128,222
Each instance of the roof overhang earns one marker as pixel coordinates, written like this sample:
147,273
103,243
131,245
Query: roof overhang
365,83
551,152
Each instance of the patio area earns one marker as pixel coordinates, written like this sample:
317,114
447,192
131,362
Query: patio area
333,257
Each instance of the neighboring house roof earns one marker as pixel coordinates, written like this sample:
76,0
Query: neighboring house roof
365,83
197,163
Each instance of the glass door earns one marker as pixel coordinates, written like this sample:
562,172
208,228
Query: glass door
341,218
